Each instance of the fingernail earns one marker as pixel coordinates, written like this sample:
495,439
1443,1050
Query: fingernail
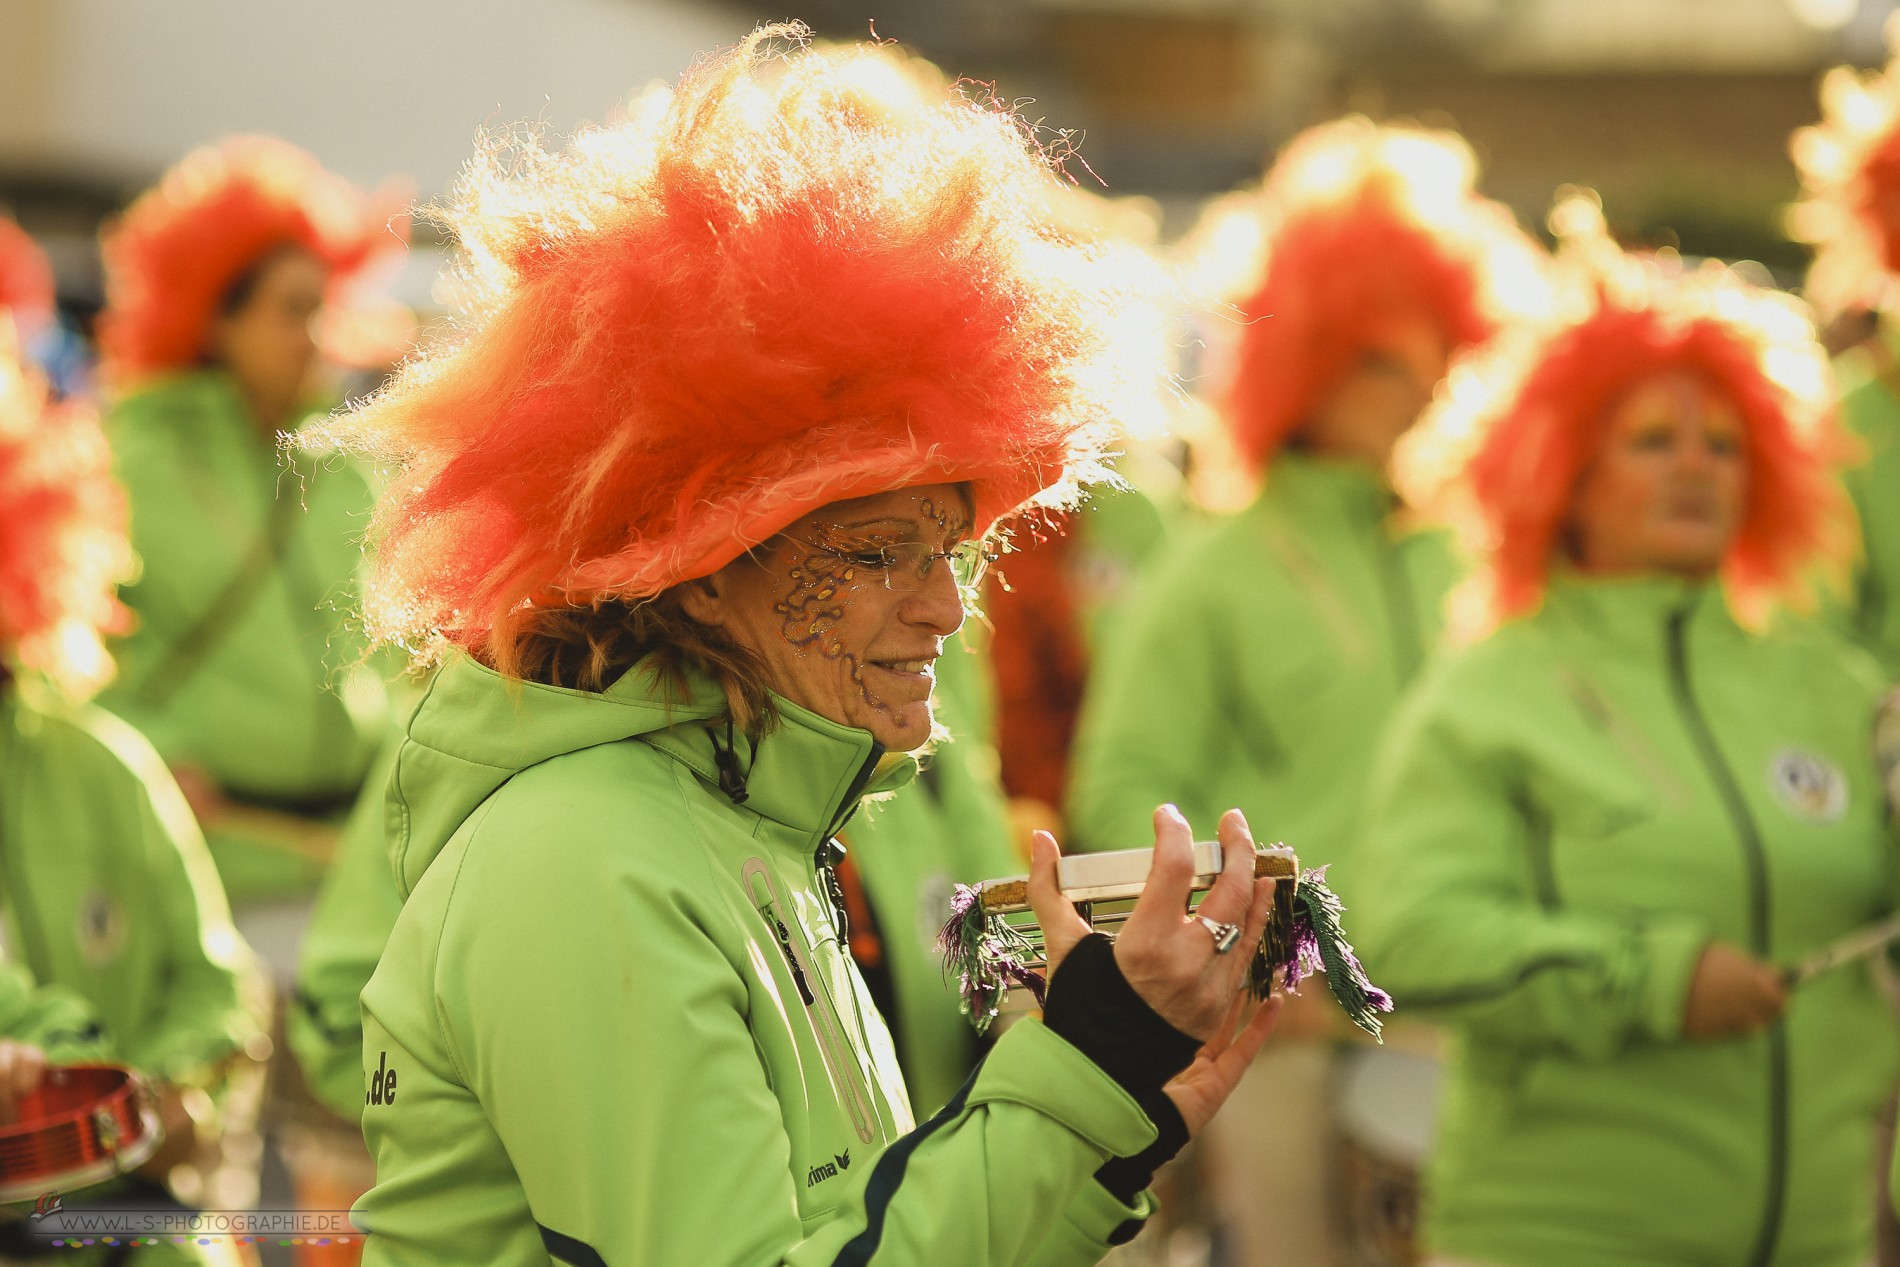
1173,811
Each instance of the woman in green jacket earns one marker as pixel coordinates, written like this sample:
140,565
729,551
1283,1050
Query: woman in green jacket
688,510
1603,832
107,896
1850,175
1262,654
241,666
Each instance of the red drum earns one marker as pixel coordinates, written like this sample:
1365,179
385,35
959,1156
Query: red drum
85,1124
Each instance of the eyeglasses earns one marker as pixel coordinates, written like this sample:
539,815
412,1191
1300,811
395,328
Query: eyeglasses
905,566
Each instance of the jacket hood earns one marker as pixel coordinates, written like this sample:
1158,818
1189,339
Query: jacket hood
473,730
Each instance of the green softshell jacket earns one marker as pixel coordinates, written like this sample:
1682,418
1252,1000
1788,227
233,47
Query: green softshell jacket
110,895
1565,814
910,847
948,826
1871,411
613,1023
51,1018
242,661
1256,665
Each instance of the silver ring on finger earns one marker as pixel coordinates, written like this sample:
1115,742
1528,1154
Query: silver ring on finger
1225,935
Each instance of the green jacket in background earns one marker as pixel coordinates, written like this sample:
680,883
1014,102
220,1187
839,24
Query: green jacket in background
949,826
110,895
1871,411
614,1024
356,907
1256,666
51,1018
243,662
1565,814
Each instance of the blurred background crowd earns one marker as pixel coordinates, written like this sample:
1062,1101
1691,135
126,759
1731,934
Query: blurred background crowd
1521,543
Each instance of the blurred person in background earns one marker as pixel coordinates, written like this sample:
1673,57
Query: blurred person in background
28,293
782,348
1048,604
241,666
1601,830
108,893
1262,654
1850,213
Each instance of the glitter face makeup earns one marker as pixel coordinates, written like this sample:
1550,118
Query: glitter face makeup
850,606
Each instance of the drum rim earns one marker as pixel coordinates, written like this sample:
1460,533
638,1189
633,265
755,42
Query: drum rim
98,1172
129,1085
151,1135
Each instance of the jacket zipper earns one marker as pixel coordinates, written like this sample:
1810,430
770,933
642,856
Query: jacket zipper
1759,932
816,996
829,853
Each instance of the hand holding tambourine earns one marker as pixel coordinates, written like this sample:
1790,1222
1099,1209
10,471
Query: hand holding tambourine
1011,931
1180,964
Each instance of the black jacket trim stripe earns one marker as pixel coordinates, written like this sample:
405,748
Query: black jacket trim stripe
568,1250
889,1173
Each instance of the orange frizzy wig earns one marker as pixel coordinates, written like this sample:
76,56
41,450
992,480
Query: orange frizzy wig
1356,225
805,275
26,276
1505,448
62,518
1850,179
178,249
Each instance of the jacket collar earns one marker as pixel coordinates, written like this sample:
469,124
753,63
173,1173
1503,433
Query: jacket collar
807,773
1306,486
1636,611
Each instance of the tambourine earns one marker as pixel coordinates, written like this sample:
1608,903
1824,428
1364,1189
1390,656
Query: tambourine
83,1125
992,940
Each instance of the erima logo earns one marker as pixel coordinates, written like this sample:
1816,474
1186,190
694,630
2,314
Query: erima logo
382,1084
828,1169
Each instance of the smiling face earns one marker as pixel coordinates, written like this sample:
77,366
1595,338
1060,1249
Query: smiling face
1666,492
849,607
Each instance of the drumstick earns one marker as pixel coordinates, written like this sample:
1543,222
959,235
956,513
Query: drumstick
1856,945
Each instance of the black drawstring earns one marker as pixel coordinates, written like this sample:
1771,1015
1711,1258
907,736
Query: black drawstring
731,778
826,859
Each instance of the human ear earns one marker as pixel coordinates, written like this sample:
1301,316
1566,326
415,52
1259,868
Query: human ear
703,600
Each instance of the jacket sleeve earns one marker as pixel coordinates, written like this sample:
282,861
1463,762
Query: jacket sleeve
1151,717
605,1033
356,909
52,1018
217,995
1453,926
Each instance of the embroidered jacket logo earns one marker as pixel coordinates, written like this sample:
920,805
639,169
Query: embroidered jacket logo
1809,785
828,1169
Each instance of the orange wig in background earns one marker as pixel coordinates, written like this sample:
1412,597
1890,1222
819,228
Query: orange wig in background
1850,179
179,248
807,274
1504,450
62,518
26,277
1357,226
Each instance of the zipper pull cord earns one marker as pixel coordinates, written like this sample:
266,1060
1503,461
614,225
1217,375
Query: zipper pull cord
731,778
826,859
